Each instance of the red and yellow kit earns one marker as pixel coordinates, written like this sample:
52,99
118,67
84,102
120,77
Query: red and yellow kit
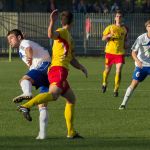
62,49
62,54
116,43
111,59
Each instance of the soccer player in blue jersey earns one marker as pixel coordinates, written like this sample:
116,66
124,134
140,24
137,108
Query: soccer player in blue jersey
141,56
38,60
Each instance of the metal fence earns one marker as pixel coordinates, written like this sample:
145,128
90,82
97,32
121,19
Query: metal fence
34,25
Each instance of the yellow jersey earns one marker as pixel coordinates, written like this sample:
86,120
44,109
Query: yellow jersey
62,51
115,45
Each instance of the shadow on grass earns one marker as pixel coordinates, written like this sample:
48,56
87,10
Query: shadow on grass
28,143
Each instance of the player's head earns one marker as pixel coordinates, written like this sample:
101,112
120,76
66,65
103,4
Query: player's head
66,18
118,16
14,37
147,25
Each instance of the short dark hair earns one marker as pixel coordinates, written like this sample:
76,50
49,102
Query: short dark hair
16,32
66,17
118,11
147,23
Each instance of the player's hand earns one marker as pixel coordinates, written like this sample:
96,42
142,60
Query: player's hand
109,36
84,70
29,60
54,15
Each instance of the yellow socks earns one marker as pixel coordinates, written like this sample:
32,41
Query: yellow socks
69,116
117,81
39,99
105,75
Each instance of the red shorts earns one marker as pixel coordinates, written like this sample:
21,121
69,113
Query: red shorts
57,75
114,59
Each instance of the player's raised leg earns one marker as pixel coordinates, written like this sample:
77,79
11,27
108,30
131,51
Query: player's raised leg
26,86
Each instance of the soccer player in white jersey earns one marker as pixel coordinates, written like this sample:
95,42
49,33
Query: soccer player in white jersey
38,60
141,56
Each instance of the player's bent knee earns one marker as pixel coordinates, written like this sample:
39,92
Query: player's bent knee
42,105
55,96
25,77
72,101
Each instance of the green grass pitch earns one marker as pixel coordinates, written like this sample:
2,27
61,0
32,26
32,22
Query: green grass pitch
97,116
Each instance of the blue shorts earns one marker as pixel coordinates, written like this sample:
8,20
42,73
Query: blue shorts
140,74
44,89
39,75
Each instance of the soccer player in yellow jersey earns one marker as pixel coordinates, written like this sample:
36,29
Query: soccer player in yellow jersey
62,56
116,36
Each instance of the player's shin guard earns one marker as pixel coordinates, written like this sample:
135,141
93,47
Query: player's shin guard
105,76
117,81
39,99
69,116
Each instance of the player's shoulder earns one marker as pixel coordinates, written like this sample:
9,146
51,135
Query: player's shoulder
107,29
125,27
25,42
142,36
109,26
60,29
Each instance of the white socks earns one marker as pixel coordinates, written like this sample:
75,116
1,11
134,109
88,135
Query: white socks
26,86
128,93
43,121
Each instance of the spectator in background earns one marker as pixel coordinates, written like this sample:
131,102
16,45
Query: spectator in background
87,27
1,5
105,7
82,7
114,7
146,6
96,7
128,6
75,6
89,8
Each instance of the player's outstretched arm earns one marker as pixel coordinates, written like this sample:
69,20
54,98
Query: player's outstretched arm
53,17
75,63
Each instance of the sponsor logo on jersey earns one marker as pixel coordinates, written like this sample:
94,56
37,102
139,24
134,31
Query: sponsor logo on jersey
147,44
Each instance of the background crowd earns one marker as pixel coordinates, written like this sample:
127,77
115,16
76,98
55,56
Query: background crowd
78,6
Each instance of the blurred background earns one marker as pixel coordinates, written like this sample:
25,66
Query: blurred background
91,17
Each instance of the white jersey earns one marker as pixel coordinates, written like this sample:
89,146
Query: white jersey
142,46
40,54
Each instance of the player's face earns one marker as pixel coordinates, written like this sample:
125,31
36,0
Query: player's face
118,18
148,28
13,41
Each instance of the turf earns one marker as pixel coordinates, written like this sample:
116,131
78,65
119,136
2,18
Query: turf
97,116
